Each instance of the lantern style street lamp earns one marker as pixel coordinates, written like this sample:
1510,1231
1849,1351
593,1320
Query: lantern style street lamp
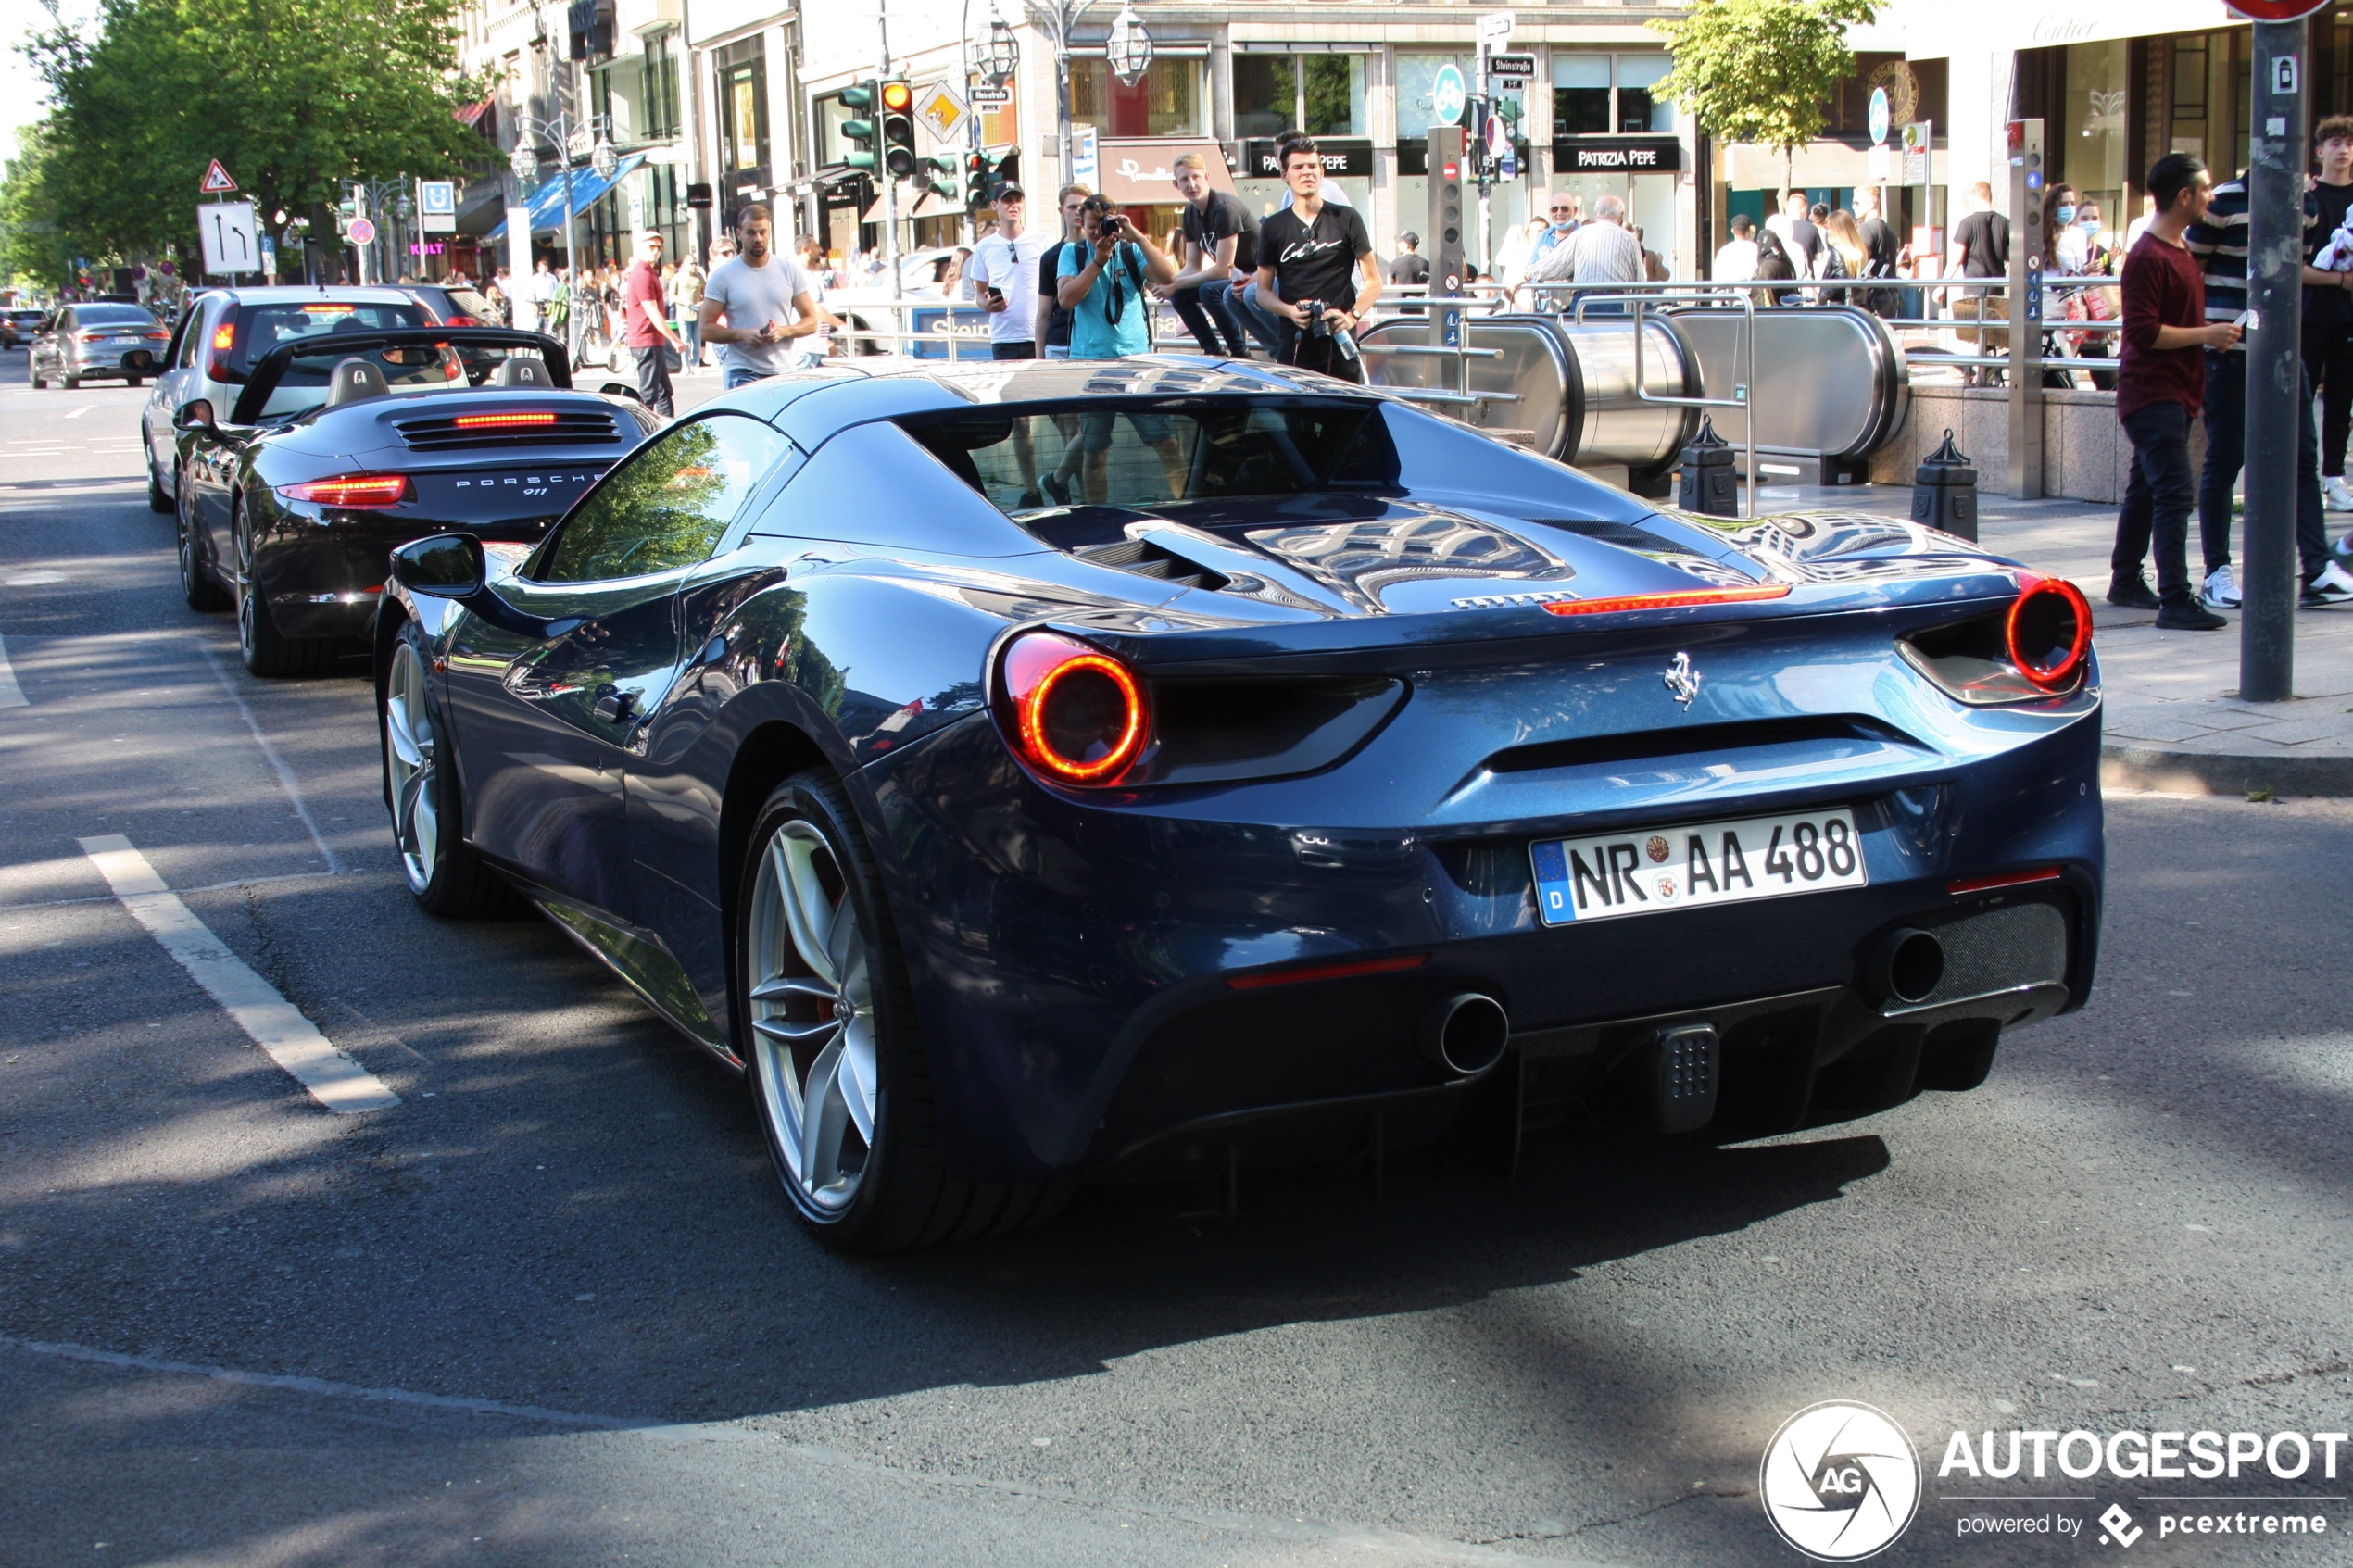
1129,49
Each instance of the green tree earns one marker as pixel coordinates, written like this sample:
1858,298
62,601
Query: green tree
31,248
1761,70
292,96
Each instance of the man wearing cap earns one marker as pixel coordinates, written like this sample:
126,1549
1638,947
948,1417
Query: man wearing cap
645,317
1412,267
1002,276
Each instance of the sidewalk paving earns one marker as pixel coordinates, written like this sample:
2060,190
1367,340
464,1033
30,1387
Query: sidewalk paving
2172,713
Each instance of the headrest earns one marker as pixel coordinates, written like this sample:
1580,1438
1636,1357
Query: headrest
523,371
355,381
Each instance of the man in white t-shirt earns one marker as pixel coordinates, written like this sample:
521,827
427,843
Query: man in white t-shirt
755,303
1736,257
1003,278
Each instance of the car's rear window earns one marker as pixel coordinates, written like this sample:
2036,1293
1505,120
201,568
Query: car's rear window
261,328
111,315
466,302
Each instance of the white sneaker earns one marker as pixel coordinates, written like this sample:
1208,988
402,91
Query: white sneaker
2221,590
2332,586
2336,495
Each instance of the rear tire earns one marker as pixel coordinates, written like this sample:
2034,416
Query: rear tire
70,381
39,382
861,1165
446,878
268,652
157,500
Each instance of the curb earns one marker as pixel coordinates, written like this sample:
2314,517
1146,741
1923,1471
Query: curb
2201,773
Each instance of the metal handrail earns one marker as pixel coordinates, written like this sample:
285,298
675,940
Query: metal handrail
1740,389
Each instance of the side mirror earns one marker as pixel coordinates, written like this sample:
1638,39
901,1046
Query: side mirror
195,414
621,389
447,566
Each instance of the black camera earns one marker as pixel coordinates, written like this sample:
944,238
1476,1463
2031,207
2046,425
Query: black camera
1343,339
1110,226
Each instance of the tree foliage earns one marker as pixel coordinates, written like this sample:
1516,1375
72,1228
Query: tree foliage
292,96
1761,70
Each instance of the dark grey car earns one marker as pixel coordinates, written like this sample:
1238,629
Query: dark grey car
82,341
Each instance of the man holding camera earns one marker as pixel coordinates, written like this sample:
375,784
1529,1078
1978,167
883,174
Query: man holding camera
1103,283
1317,269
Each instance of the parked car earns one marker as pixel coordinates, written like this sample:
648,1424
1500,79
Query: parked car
1304,775
340,445
18,327
104,340
223,334
452,308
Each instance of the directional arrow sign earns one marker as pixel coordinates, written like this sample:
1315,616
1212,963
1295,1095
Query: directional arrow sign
216,180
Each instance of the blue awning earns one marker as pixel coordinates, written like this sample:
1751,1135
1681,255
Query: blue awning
548,202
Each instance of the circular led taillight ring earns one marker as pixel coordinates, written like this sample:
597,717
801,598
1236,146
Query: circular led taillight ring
2050,678
1035,666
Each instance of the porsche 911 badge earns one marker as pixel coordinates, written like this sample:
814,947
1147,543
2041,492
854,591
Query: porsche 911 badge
1681,679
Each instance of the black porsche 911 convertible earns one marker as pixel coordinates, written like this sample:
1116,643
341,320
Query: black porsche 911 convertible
341,446
1321,776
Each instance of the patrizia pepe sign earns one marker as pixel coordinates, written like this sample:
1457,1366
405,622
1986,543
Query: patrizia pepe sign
1617,155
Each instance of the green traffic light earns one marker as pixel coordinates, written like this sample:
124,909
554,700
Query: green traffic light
858,130
861,97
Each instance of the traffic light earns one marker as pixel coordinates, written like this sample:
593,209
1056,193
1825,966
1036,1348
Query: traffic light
940,173
978,180
858,131
898,129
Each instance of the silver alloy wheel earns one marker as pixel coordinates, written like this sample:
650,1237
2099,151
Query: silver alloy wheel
812,1017
247,639
416,804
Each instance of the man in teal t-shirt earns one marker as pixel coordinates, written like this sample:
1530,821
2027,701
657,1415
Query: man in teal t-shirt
1103,286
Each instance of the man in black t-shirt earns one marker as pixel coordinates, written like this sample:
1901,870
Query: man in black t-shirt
1053,335
1316,250
1221,251
2328,312
1412,267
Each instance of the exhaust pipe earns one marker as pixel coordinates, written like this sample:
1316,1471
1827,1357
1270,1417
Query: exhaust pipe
1906,967
1465,1034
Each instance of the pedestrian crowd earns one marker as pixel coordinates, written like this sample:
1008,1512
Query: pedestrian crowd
2184,309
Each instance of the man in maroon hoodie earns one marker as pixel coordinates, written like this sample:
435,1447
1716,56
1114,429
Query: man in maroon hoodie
2158,393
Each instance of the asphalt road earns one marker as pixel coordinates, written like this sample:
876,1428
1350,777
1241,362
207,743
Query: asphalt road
551,1308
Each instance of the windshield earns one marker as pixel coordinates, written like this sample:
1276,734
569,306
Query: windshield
1155,455
112,315
260,328
407,372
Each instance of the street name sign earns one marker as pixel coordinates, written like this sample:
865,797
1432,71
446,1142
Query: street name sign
229,246
986,94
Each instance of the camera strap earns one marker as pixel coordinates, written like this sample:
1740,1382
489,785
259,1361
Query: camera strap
1116,301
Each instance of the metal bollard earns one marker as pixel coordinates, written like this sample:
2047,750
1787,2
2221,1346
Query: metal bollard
1710,486
1945,492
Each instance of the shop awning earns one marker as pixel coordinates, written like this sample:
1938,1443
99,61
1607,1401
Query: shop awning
1141,171
472,114
548,202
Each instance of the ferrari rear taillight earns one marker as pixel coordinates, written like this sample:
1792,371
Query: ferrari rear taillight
2048,630
1077,714
351,490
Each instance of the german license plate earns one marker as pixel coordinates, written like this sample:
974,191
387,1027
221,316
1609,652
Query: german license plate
1646,872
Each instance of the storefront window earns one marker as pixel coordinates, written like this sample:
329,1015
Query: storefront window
1266,94
1167,100
1416,81
1334,88
743,114
1580,94
661,89
1637,74
2093,159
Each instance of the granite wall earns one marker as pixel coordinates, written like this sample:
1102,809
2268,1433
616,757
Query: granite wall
2085,454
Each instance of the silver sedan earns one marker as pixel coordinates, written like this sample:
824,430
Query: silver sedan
101,339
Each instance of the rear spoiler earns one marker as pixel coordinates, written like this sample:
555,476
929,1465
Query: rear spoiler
272,367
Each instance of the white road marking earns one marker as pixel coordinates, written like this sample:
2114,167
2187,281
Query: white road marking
35,579
83,410
292,1041
11,694
286,775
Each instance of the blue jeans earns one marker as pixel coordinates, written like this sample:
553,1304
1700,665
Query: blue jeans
738,376
2226,454
2156,501
1265,325
690,329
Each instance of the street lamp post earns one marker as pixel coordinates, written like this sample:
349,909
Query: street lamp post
992,64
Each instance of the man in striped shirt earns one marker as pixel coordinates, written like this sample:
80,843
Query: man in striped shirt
2219,240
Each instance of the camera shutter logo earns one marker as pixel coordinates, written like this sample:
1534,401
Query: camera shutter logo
1840,1481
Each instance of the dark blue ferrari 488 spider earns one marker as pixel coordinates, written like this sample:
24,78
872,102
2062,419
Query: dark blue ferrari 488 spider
1028,773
